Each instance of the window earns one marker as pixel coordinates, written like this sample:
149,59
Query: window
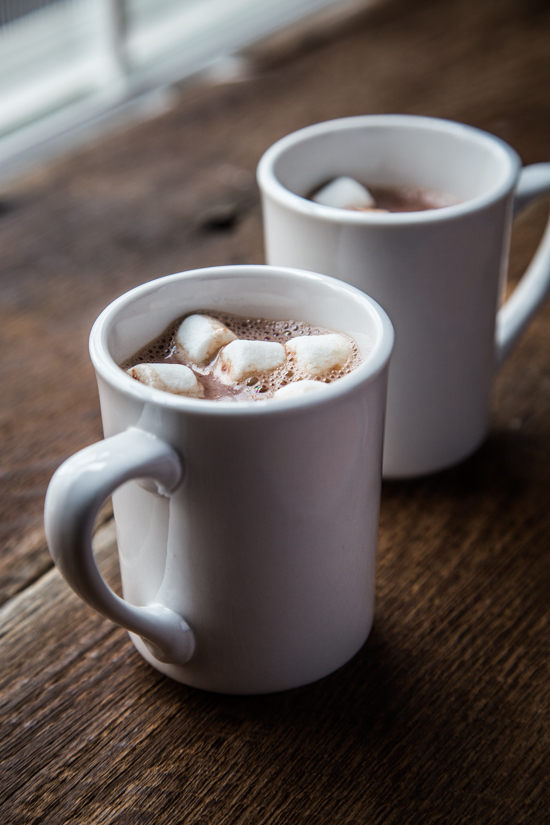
64,63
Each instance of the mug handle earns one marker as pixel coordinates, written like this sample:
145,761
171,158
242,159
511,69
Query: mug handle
517,311
75,495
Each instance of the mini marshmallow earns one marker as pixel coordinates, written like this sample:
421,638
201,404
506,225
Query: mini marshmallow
345,193
242,359
299,388
201,337
318,354
174,378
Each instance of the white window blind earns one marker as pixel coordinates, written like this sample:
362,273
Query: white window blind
65,62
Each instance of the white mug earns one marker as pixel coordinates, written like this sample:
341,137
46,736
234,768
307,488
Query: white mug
439,274
246,532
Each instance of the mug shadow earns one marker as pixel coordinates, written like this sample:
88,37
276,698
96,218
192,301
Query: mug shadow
412,723
385,736
498,497
506,460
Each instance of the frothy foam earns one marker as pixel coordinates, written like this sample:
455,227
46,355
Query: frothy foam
263,383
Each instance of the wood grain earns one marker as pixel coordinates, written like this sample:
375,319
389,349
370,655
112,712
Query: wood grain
444,716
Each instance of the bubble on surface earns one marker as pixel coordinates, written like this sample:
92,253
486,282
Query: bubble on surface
163,350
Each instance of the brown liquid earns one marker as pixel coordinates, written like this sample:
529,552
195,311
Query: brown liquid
163,350
409,198
403,199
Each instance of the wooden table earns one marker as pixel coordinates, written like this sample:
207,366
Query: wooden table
444,715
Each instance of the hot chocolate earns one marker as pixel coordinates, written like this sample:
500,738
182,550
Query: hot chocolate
223,357
409,198
348,193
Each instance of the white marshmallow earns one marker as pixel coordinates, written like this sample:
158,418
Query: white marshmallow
201,337
174,378
242,359
299,388
345,193
318,354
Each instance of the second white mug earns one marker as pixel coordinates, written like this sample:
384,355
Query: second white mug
439,274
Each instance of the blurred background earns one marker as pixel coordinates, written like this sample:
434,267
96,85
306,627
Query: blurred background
69,63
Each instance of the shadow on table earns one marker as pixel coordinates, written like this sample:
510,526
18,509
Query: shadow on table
432,714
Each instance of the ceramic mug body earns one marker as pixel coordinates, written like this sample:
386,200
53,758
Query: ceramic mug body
247,554
439,274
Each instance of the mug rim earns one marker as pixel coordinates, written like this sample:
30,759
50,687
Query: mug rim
270,184
105,365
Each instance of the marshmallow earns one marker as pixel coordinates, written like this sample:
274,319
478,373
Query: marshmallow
298,388
345,193
318,354
174,378
241,359
201,337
